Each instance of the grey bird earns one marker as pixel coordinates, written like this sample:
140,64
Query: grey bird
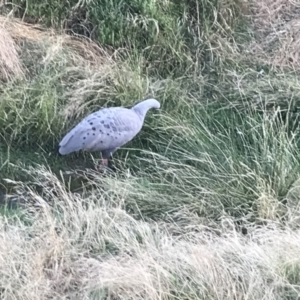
107,129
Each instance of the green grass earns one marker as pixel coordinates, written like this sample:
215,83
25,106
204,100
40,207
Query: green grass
202,204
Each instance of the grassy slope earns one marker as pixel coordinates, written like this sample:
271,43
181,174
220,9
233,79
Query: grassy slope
203,203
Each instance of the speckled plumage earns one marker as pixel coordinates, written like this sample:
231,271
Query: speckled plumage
107,129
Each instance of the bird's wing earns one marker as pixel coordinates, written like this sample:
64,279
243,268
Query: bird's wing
107,128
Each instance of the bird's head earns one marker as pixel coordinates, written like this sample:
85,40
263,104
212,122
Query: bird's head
152,103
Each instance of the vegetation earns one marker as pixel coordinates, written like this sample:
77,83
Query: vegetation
204,203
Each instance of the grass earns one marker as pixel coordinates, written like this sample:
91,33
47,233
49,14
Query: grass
10,64
88,246
203,203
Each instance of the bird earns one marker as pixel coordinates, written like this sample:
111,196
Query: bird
107,129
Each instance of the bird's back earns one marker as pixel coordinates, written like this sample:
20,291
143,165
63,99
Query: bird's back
108,128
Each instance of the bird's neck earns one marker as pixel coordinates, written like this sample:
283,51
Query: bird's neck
141,110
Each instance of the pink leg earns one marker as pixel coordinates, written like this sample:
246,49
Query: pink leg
104,161
102,166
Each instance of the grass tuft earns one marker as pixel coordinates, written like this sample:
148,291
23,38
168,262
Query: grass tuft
10,64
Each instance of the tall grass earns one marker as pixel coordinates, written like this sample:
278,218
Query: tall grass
202,204
174,37
9,61
89,245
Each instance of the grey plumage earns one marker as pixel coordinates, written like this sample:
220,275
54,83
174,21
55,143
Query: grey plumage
107,129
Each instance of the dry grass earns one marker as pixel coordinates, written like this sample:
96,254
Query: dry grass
85,48
277,25
10,64
88,247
